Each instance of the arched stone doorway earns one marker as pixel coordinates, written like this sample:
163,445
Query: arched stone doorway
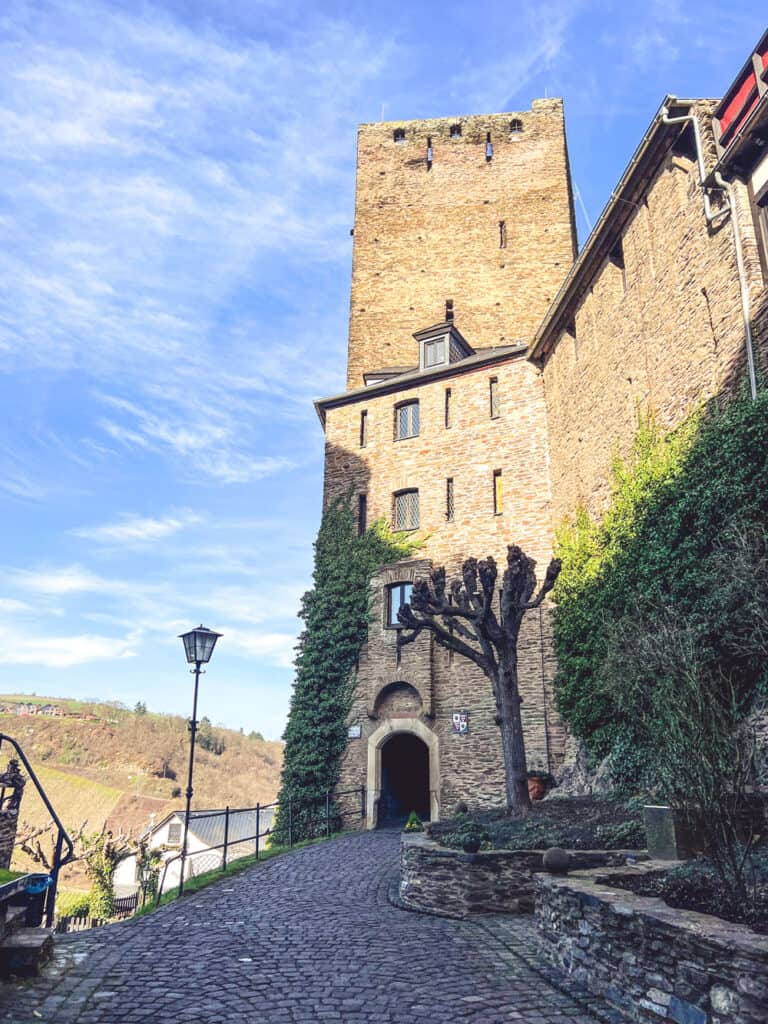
404,779
378,759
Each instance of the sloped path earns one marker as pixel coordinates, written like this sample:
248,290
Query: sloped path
307,937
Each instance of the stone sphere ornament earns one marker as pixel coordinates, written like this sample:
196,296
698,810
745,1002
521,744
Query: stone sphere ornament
471,844
557,861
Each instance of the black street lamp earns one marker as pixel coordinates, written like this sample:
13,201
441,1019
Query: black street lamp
198,647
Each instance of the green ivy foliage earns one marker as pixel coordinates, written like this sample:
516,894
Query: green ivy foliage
676,503
336,615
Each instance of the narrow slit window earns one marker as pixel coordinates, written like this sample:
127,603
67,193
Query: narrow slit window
406,420
488,147
406,510
364,428
448,310
448,410
362,514
498,493
493,396
502,234
450,505
429,153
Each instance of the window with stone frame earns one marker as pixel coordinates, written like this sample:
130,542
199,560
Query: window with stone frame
448,410
405,512
450,503
398,594
498,493
407,420
364,428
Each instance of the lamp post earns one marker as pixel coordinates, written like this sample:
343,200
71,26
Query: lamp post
198,647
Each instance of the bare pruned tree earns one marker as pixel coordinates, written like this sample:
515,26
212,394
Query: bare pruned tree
463,618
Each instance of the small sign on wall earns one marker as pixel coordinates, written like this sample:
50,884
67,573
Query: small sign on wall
354,732
460,722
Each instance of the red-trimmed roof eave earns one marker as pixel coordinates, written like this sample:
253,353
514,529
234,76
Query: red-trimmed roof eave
620,207
756,124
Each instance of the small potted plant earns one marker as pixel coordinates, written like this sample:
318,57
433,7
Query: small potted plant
538,783
414,823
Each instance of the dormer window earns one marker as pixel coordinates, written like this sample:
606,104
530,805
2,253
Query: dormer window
441,345
435,352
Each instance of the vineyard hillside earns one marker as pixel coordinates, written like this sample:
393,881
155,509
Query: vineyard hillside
100,762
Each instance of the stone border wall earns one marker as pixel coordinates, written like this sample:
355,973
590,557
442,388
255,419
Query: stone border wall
651,961
437,880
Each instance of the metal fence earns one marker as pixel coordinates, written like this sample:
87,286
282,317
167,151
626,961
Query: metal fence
234,845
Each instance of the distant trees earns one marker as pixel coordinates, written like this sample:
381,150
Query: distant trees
140,708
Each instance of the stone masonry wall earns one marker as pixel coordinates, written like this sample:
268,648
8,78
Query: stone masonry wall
664,336
655,963
471,766
424,235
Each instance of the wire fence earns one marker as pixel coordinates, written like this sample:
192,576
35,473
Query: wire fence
246,831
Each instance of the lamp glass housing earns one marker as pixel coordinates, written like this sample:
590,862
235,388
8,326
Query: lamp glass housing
199,644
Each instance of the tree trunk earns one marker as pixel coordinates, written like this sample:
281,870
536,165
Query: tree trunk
513,742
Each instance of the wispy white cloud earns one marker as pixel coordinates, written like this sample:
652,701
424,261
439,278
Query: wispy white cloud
139,530
64,651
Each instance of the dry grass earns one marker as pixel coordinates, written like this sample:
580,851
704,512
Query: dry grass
119,767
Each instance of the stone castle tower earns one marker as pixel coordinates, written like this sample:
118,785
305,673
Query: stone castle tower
463,234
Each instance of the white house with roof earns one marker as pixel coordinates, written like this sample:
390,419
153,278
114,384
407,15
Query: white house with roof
207,832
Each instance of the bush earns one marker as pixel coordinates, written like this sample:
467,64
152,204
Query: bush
681,540
336,614
414,823
72,904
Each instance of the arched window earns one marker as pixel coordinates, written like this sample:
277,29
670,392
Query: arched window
405,510
515,126
406,420
455,131
399,134
398,594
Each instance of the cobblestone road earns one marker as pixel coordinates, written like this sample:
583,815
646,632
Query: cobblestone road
307,937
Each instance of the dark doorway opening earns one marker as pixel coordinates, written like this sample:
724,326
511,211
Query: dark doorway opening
404,779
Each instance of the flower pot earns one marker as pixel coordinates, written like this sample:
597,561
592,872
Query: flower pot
537,789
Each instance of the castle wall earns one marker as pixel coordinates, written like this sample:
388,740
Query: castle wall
666,336
424,235
471,765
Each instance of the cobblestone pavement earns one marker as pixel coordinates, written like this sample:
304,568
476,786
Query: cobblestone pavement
306,937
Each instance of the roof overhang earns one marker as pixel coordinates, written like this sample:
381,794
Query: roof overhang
415,378
657,141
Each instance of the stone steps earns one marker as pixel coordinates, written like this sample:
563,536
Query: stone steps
25,952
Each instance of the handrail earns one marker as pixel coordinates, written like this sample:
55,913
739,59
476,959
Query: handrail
58,860
228,843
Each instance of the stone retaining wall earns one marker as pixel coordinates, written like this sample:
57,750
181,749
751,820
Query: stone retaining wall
439,880
653,962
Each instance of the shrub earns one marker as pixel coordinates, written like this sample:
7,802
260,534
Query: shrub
336,614
680,539
414,823
72,904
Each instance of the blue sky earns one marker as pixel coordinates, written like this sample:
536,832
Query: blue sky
176,193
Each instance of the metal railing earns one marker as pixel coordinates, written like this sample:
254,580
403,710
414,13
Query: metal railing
60,857
331,814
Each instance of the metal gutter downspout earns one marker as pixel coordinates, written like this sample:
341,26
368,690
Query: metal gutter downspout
713,215
743,283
